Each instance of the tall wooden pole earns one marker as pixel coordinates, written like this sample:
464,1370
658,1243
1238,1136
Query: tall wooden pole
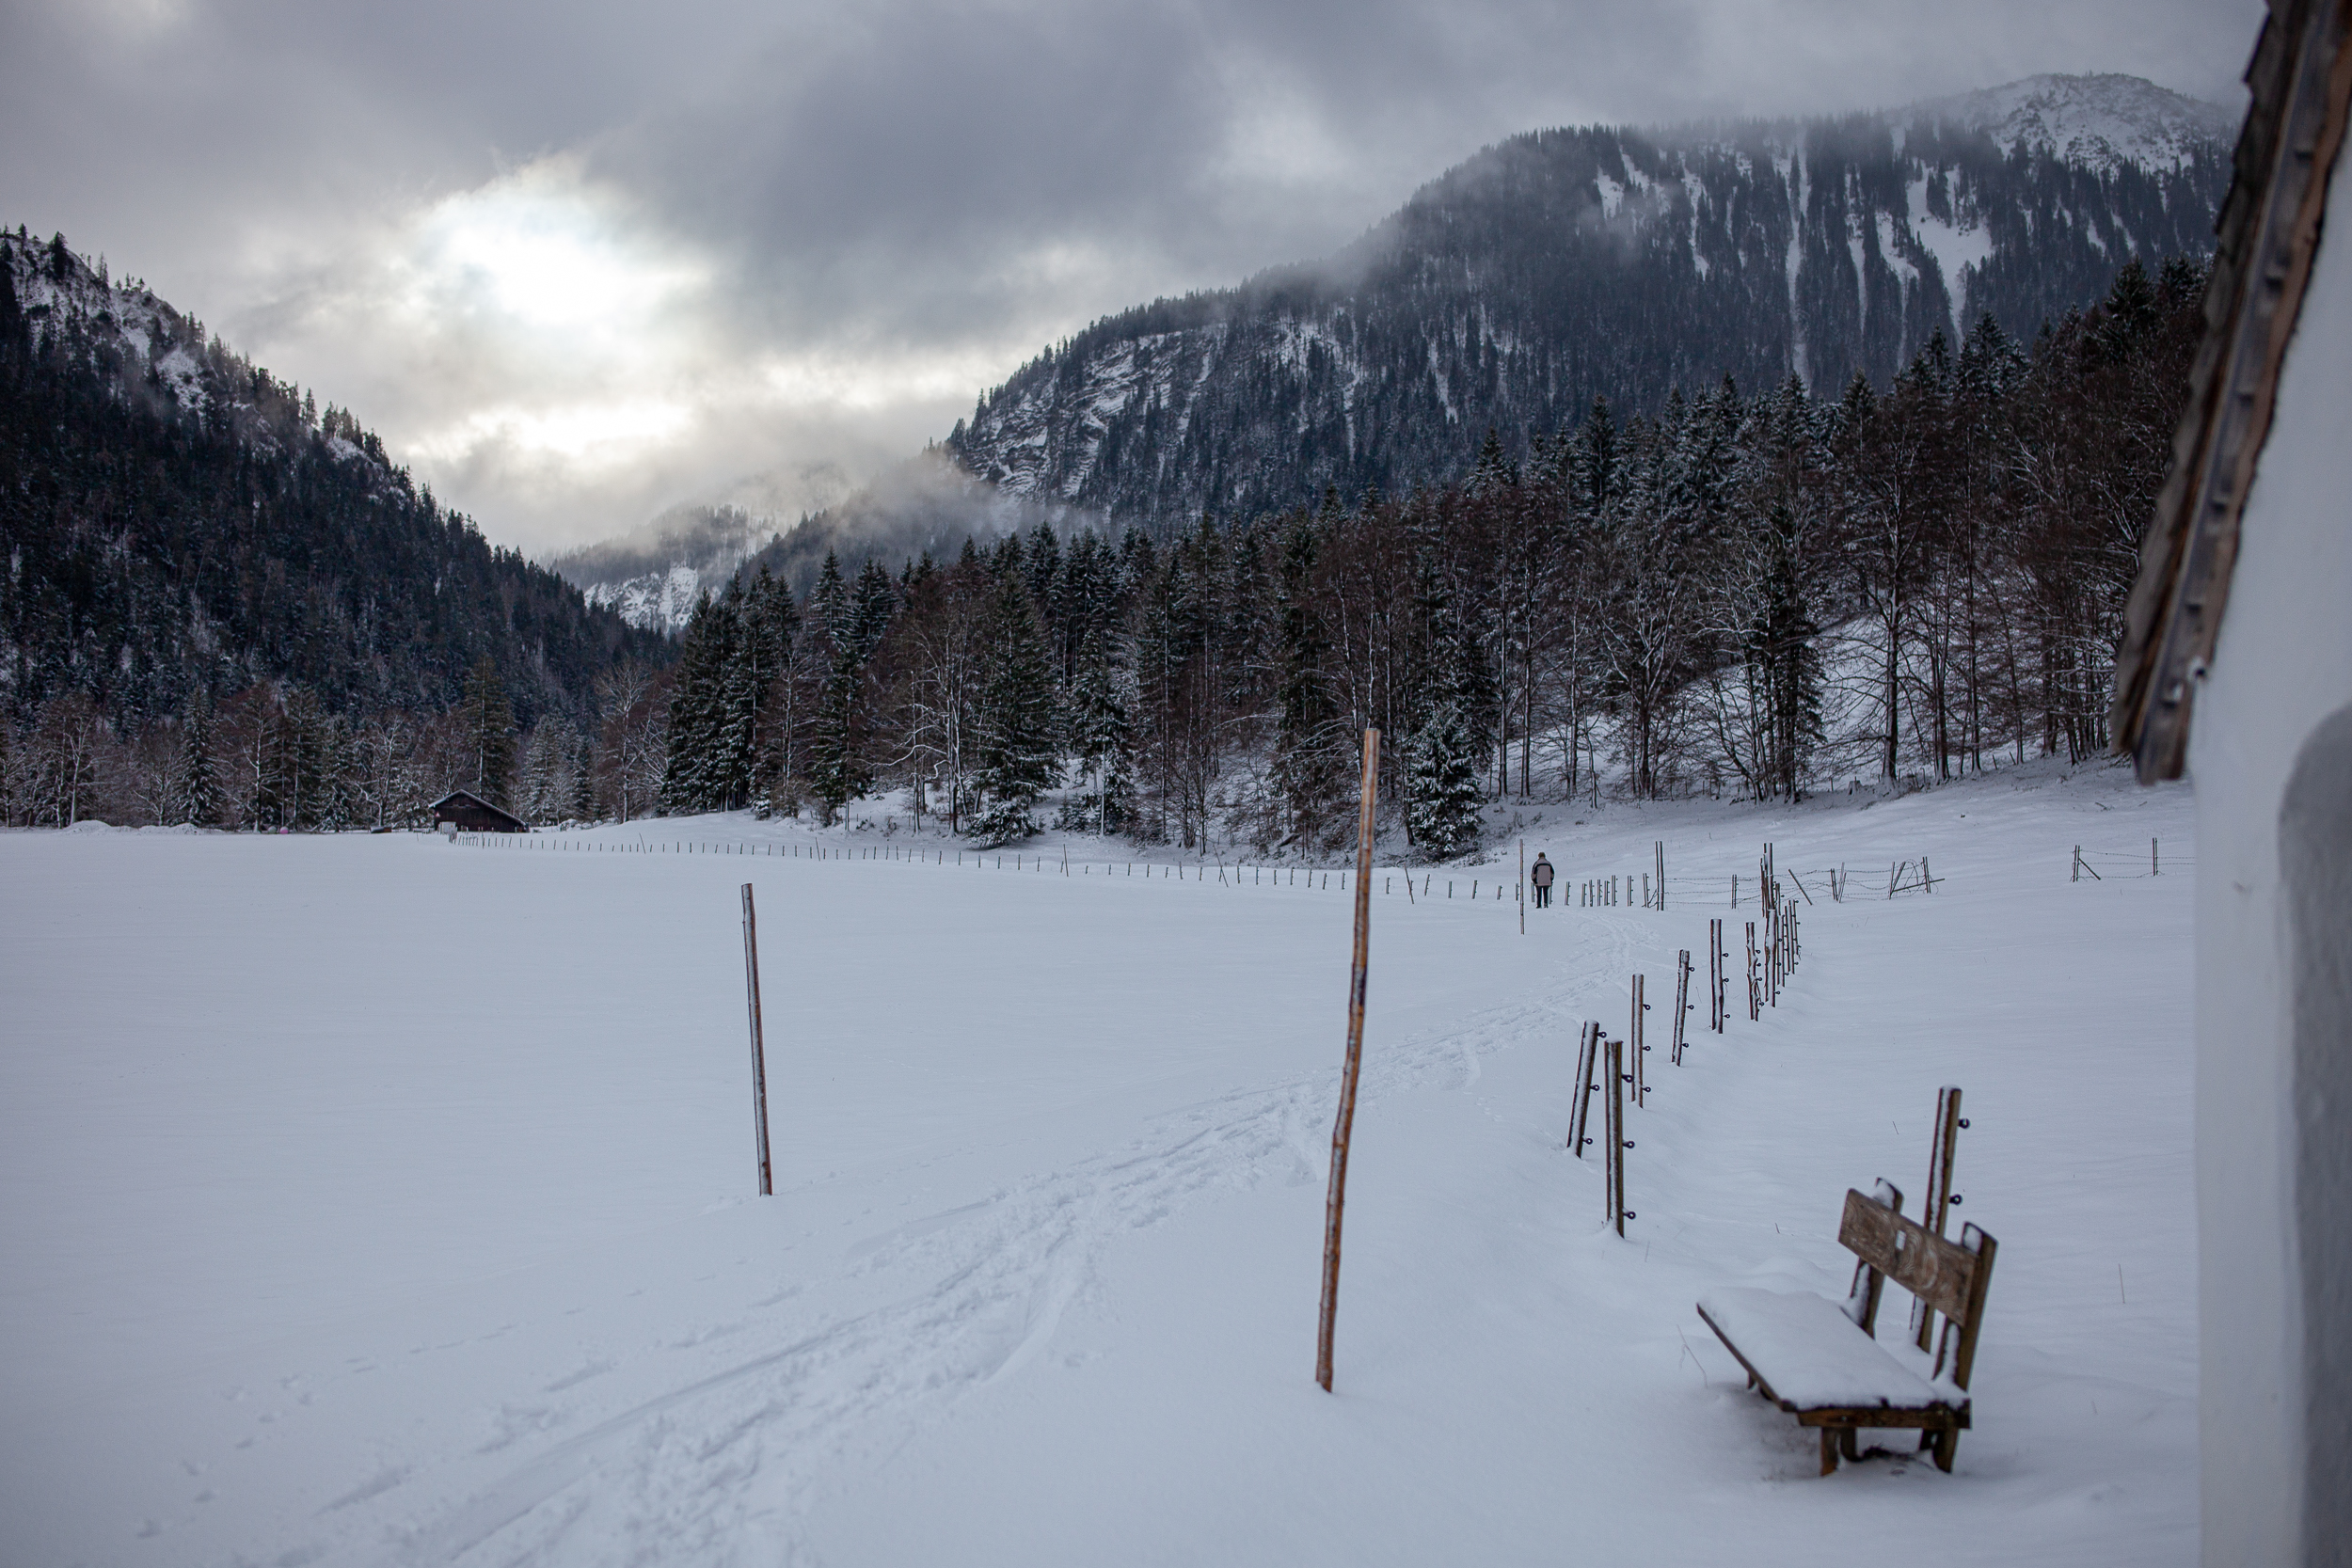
1523,885
1614,1130
759,1051
1948,1126
1587,1075
1336,1201
1633,1042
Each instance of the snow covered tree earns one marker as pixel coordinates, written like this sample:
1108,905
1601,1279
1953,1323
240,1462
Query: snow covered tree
548,790
697,712
195,795
870,610
1015,718
836,764
1442,813
1444,784
1101,736
829,601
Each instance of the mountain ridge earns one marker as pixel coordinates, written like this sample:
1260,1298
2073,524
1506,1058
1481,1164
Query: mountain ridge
1565,264
184,525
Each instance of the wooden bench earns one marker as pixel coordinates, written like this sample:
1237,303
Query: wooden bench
1820,1360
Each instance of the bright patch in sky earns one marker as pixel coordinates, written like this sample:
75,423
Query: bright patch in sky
539,252
597,433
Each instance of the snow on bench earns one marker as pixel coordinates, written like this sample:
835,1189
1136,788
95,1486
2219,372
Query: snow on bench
1820,1360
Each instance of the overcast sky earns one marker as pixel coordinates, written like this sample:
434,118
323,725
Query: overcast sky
579,262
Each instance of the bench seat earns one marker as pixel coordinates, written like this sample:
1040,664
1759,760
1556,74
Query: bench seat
1822,1363
1809,1356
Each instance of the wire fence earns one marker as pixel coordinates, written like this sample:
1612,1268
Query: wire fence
1655,887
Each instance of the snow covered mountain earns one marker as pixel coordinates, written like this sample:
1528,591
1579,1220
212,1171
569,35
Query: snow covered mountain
158,357
1563,265
654,577
2101,121
181,524
655,601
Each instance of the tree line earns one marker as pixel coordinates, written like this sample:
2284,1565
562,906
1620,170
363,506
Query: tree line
1728,593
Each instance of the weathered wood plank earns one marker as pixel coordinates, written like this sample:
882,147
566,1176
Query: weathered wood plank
1936,1270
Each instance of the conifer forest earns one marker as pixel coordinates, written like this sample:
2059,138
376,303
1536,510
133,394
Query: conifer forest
1759,592
1764,590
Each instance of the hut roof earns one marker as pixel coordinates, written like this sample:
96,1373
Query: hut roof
2266,237
466,800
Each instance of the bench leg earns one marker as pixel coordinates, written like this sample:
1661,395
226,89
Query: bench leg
1946,1445
1850,1442
1829,1451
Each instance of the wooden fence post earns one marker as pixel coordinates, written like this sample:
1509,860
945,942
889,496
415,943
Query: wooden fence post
1633,1040
1587,1072
1718,983
1948,1126
1754,1002
1336,1201
1661,873
1683,1000
1614,1132
759,1051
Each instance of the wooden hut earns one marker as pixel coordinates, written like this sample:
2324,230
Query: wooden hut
471,814
2253,523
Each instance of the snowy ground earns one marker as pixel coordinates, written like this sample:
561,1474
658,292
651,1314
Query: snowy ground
379,1200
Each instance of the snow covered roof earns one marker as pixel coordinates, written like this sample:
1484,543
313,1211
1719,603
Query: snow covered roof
2268,235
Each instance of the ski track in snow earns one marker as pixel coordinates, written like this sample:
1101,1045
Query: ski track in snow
997,1278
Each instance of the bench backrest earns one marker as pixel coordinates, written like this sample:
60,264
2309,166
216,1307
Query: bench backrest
1948,1276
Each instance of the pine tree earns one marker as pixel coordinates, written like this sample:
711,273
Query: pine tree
1043,567
1101,736
836,768
772,622
1781,646
1492,471
197,795
875,602
1309,765
738,693
1015,718
1445,786
488,725
1443,815
695,712
1595,460
829,601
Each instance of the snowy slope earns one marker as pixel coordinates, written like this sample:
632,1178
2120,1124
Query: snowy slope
2097,120
656,601
378,1200
160,353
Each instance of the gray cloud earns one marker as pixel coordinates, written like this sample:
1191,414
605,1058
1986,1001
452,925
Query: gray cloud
580,261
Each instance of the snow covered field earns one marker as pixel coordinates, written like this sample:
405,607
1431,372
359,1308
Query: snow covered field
379,1200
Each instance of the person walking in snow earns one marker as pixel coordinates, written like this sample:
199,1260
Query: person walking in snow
1540,874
